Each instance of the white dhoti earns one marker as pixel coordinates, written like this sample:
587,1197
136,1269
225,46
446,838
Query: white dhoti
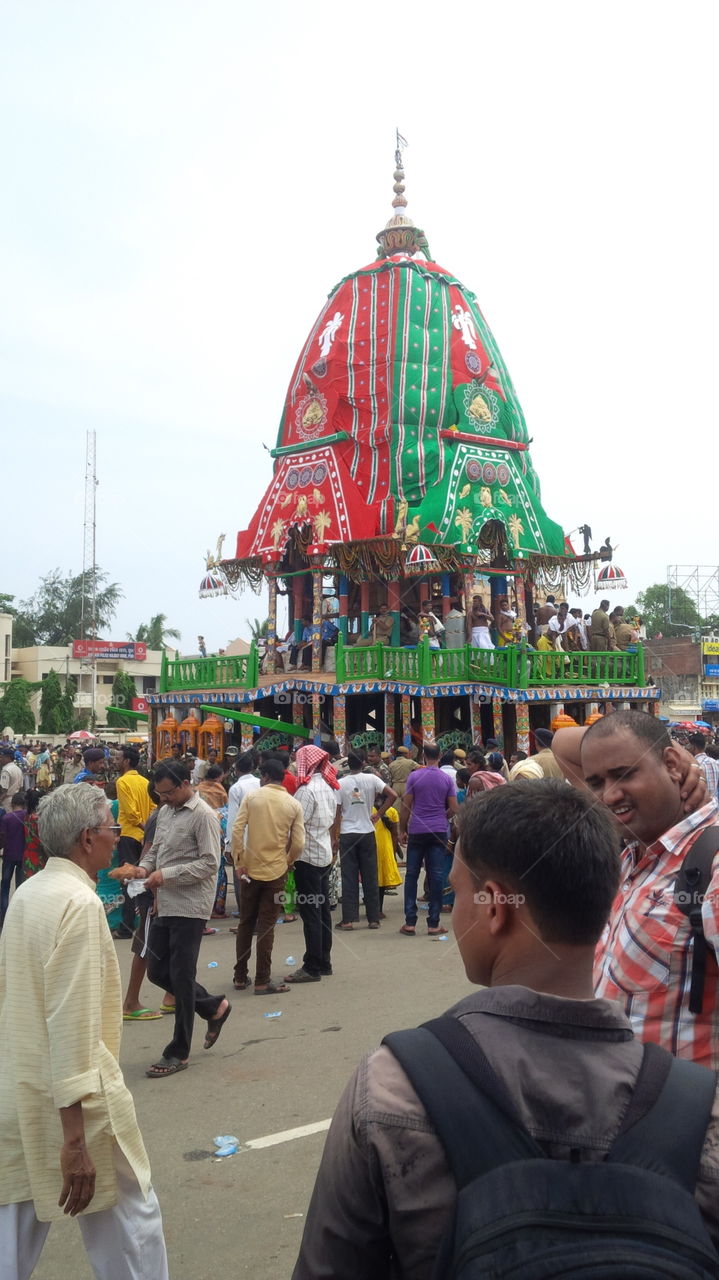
481,639
125,1242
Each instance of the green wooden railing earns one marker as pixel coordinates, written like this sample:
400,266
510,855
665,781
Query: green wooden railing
216,672
515,667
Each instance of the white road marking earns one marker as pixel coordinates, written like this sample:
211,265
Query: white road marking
287,1135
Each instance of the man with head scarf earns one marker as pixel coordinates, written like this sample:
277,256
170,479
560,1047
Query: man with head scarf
317,792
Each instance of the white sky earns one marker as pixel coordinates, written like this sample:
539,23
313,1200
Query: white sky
184,182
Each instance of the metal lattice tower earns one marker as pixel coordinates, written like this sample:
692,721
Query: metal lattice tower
700,582
88,617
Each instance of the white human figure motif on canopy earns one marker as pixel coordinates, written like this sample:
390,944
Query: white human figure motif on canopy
463,321
327,335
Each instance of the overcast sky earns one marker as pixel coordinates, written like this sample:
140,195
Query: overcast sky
184,182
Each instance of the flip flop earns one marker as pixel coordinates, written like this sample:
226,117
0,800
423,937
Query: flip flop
274,989
242,986
408,930
141,1015
167,1008
215,1026
165,1067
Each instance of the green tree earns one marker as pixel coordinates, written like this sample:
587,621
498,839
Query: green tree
53,615
50,703
15,709
667,613
155,633
123,691
22,635
258,630
67,714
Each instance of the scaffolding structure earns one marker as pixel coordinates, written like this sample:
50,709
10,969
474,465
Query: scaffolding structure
700,584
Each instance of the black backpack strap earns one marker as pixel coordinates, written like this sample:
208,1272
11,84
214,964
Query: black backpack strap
668,1138
469,1055
690,889
652,1077
477,1137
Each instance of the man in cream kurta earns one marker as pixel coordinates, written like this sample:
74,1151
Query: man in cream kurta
60,1026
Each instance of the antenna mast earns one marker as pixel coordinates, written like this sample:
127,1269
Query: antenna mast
88,608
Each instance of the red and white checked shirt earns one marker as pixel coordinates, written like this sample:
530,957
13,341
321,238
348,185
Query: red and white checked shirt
643,960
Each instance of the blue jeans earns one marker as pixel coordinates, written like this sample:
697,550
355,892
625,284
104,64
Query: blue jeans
429,848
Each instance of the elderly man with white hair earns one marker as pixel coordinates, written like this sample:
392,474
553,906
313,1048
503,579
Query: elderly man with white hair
69,1137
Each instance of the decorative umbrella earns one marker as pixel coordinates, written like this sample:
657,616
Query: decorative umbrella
81,735
212,585
420,560
612,577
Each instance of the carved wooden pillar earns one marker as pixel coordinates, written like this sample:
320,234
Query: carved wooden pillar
317,619
522,713
339,723
271,658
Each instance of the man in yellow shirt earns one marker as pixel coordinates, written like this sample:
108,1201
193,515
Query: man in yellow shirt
275,839
134,807
68,1132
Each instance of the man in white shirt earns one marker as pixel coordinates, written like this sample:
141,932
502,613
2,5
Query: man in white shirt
556,625
575,631
246,782
318,795
10,776
359,793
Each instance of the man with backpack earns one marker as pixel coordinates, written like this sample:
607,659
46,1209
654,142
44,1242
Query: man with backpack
527,1132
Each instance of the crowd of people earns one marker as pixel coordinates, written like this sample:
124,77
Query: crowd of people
559,870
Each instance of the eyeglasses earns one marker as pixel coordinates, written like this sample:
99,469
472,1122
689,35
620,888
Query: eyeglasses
113,827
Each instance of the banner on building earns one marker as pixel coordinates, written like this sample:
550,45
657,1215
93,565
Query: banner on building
710,648
142,705
110,650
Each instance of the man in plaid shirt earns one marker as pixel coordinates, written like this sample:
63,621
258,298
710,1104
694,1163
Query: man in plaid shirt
644,959
710,768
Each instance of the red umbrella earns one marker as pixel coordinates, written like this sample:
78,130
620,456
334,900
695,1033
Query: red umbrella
81,735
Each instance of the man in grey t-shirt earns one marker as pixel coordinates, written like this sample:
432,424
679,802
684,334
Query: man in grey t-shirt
358,795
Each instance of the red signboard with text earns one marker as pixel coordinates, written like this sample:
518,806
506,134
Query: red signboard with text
130,650
141,704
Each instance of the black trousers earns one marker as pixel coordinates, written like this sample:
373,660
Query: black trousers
129,850
313,903
358,854
172,953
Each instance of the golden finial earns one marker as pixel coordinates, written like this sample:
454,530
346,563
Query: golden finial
400,235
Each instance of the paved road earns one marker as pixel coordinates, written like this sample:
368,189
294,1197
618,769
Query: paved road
239,1216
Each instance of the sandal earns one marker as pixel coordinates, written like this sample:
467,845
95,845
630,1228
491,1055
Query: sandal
409,930
432,931
141,1015
215,1026
272,989
301,975
343,924
165,1067
167,1008
242,986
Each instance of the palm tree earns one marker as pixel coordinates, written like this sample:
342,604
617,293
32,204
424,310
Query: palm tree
155,633
258,630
